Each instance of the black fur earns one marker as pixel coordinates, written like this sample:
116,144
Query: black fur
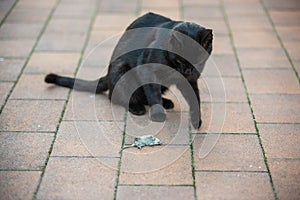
148,94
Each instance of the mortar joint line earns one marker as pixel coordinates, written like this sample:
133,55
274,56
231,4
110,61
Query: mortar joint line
248,97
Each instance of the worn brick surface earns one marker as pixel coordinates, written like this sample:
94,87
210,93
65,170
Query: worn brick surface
20,31
222,45
78,138
221,65
10,69
4,91
159,165
78,9
84,178
222,89
263,58
16,48
280,140
18,184
61,42
86,106
285,174
276,108
271,81
65,25
233,185
28,15
231,152
155,192
33,87
113,21
256,39
226,118
52,62
30,115
116,6
24,150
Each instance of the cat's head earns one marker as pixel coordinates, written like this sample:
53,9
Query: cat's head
196,48
201,35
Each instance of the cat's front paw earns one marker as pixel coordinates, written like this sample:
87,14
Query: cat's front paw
157,113
196,120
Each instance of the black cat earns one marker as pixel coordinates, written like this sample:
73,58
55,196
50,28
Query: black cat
149,42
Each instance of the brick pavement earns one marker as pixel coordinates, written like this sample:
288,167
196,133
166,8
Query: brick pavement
58,144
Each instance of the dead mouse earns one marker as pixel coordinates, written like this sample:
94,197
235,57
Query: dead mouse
146,140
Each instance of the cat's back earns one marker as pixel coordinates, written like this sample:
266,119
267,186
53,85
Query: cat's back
149,20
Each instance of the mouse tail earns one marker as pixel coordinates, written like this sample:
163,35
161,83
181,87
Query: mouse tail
96,86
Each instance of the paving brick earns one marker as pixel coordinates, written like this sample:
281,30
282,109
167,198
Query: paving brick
116,6
85,106
222,45
18,184
244,8
66,25
28,15
5,7
175,130
279,5
30,4
52,62
33,87
221,65
273,81
99,55
285,175
26,115
288,33
253,23
293,49
16,48
77,178
10,69
255,39
231,152
200,3
79,138
77,9
113,21
20,31
4,91
276,108
155,192
280,140
223,89
159,4
263,58
167,166
233,185
286,18
202,12
24,150
226,118
61,42
297,66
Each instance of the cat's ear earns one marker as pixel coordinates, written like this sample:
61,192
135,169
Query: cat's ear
206,37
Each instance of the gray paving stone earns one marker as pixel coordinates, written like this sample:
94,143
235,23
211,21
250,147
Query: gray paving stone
25,151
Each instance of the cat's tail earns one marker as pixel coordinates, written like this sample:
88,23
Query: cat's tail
97,86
